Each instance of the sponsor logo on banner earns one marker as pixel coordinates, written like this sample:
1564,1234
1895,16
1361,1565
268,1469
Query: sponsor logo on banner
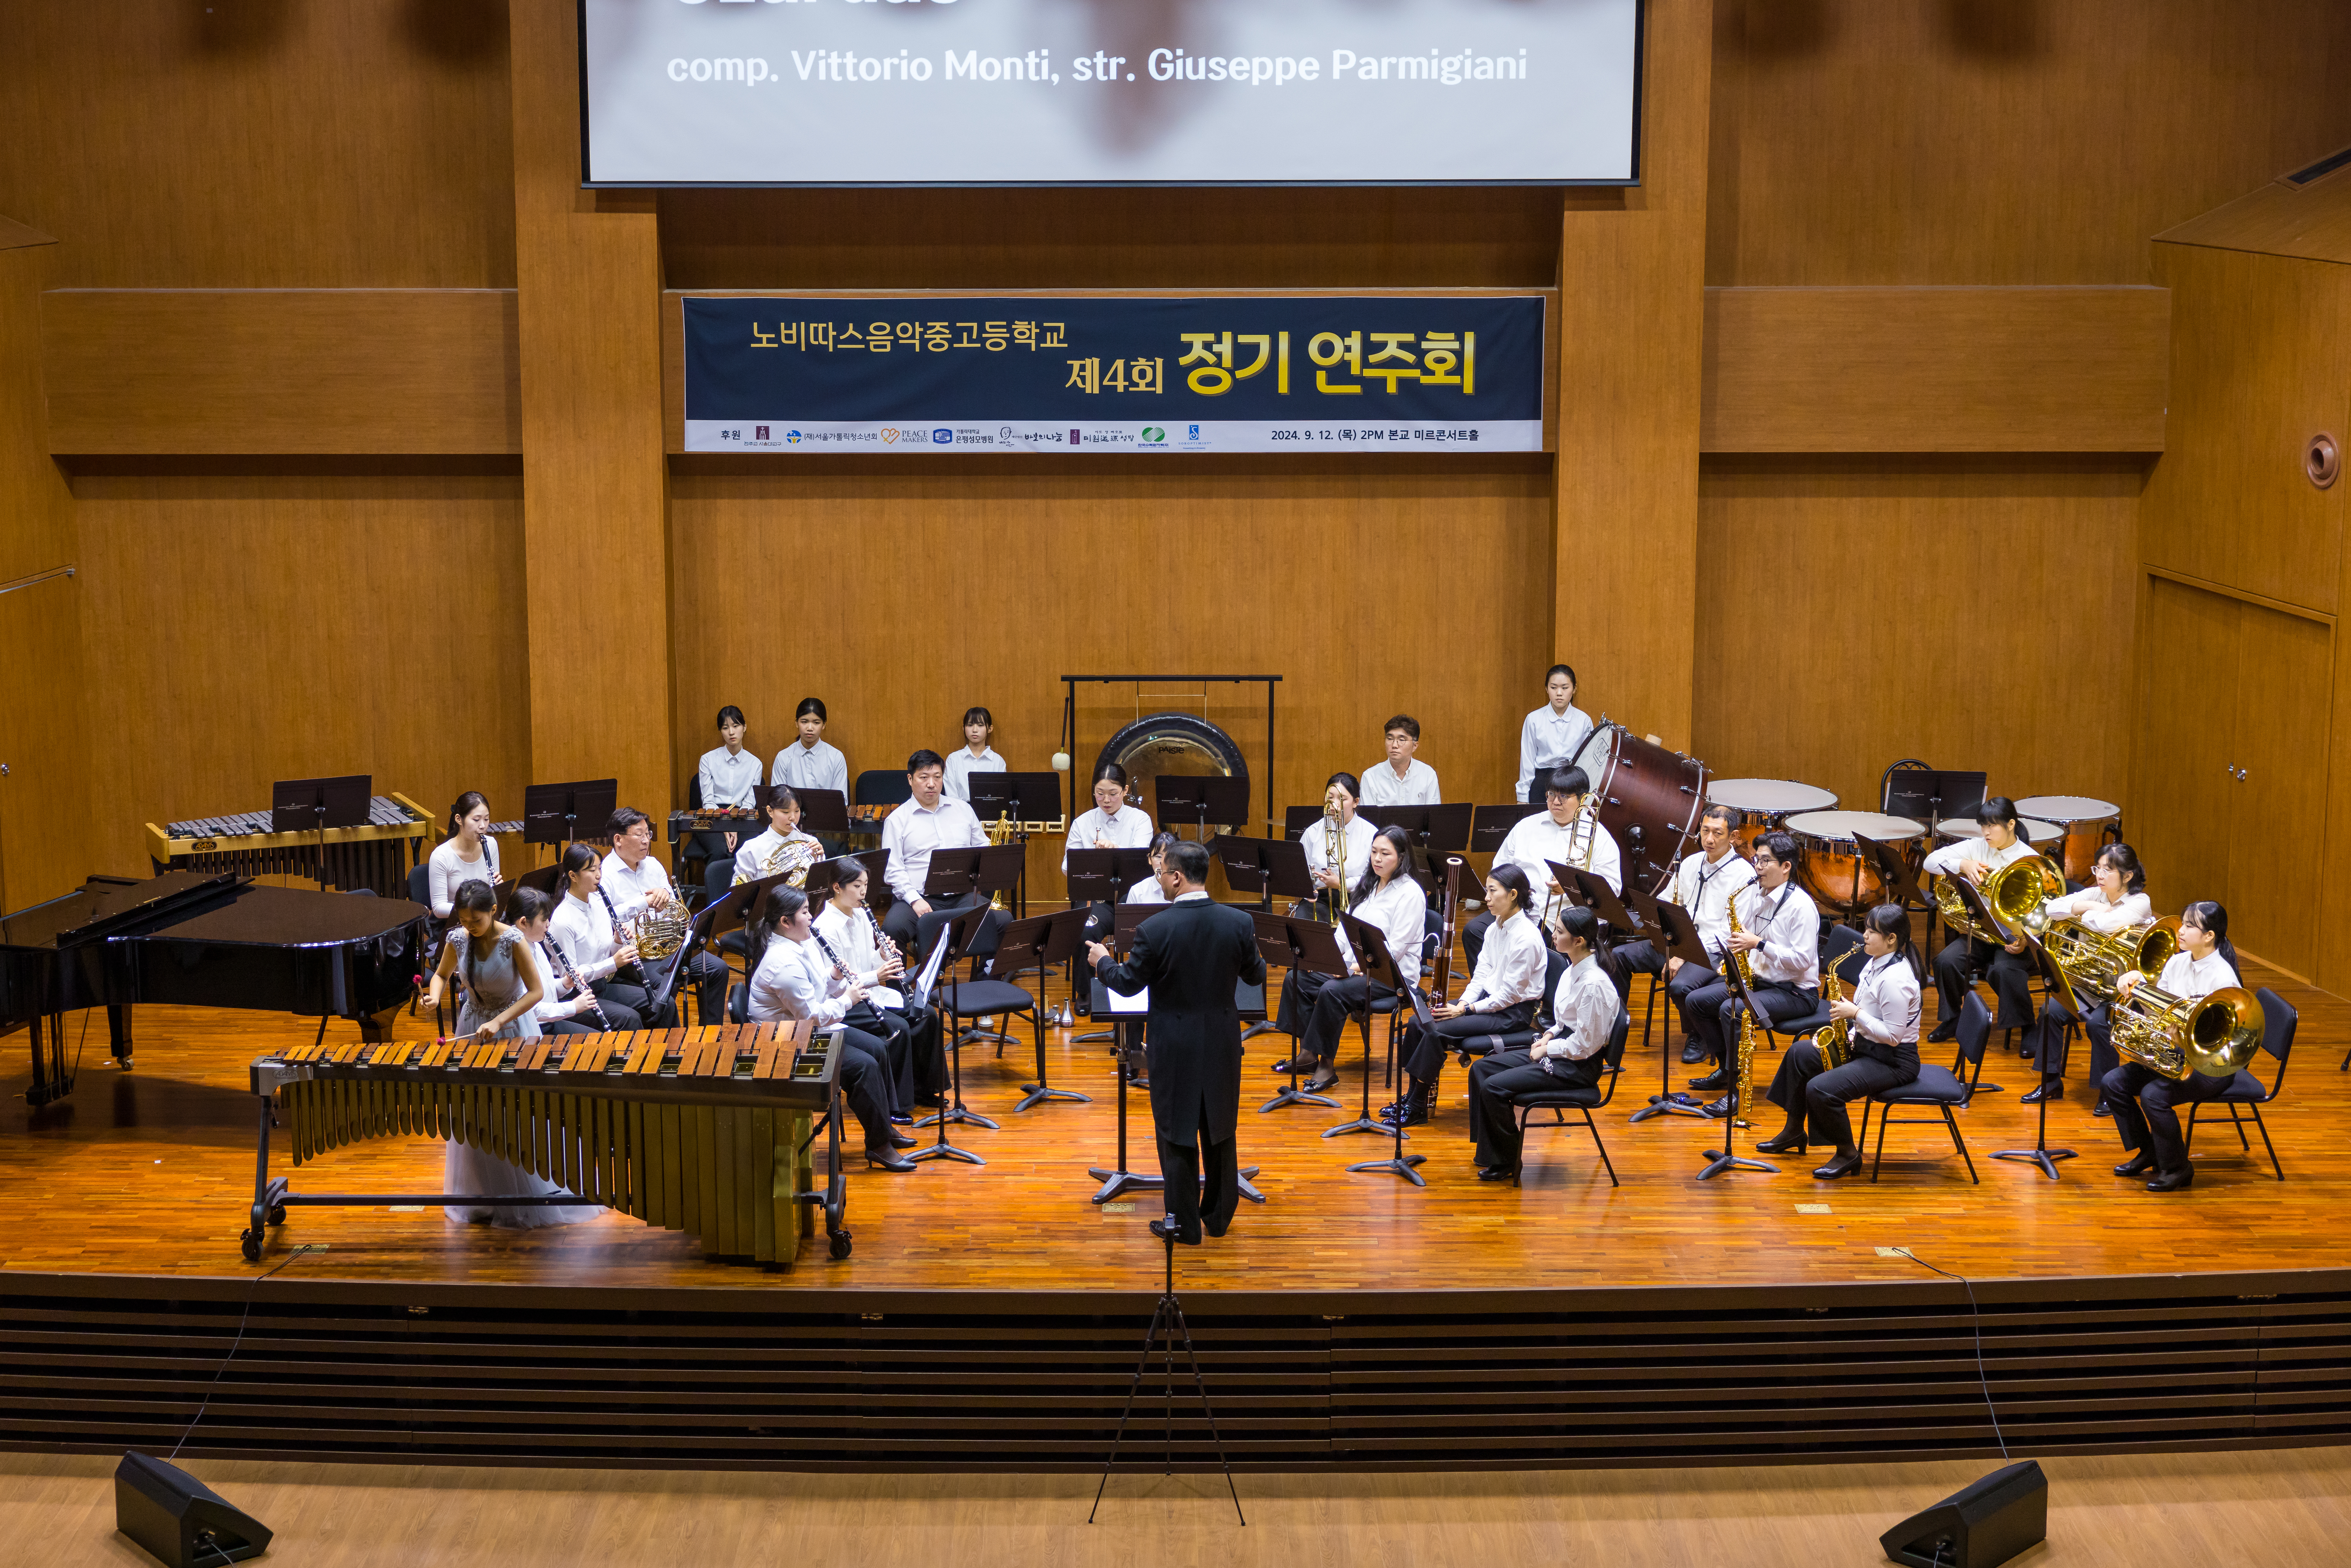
1154,436
889,434
943,436
793,436
762,434
1073,437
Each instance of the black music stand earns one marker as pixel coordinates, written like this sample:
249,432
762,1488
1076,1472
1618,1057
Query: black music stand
1264,867
1379,967
1680,938
822,810
1727,1157
1493,824
1971,896
1126,1013
2061,991
314,805
1200,799
1399,1163
697,935
1895,873
1102,876
551,813
952,939
1039,943
1306,944
1440,829
1931,794
1018,799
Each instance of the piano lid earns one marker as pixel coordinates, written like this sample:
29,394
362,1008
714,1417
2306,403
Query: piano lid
111,906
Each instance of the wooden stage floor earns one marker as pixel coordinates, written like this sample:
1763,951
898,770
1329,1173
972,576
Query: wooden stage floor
151,1172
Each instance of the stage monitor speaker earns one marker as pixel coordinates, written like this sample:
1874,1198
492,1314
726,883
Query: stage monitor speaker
1978,1526
180,1521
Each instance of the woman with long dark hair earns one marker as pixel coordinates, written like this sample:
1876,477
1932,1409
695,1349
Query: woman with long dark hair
1881,1019
1501,998
1568,1053
2142,1098
1315,1007
468,854
800,978
2115,902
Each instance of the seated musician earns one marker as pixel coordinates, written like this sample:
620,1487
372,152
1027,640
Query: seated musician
1501,998
468,854
1562,831
570,1005
1150,890
1881,1022
918,1066
1343,795
2144,1101
584,927
1703,884
932,820
974,755
797,980
1780,932
1316,1007
1568,1054
766,854
729,776
1553,734
1402,780
1113,824
634,882
2008,968
2115,901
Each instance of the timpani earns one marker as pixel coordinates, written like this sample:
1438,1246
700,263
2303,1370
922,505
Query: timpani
1764,804
1832,865
2090,825
2043,836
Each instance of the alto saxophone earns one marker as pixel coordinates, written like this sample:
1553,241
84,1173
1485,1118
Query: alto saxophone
1833,1039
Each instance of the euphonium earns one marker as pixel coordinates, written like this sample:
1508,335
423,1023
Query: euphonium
2011,892
2095,961
2214,1034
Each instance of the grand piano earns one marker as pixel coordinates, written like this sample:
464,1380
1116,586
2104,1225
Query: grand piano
206,939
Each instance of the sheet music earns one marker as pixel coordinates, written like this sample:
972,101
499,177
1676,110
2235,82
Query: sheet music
930,975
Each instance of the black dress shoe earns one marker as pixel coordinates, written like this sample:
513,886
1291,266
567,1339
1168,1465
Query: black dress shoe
2137,1164
1948,1029
2052,1090
1718,1079
2172,1181
1692,1054
1326,1079
901,1119
1717,1109
1282,1067
1781,1146
1843,1166
1216,1229
1166,1232
899,1140
1494,1173
890,1160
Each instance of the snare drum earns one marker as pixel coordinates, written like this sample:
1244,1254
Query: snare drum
2043,836
1835,869
1764,804
2089,826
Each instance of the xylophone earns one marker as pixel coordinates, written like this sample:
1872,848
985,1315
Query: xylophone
706,1130
376,855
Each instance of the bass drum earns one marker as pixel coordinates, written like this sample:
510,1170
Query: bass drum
1180,744
1649,797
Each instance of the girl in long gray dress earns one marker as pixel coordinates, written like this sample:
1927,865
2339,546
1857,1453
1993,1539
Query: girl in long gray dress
503,990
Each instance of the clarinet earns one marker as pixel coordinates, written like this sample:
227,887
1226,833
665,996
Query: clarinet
563,962
636,971
883,945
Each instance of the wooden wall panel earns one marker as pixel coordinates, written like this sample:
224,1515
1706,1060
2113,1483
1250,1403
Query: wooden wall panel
247,628
257,144
2005,141
282,370
1935,369
1972,613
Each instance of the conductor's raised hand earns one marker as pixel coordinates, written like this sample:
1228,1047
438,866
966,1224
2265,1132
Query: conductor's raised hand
1096,954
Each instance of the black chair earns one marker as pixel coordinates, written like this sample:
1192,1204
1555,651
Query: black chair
1937,1087
1555,964
419,884
2278,1022
881,787
1582,1100
739,1002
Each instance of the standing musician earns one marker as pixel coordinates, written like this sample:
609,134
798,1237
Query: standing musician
634,882
2144,1101
1780,932
1402,779
1315,1007
810,762
729,778
1502,994
1343,795
1192,957
584,929
2002,842
1551,735
752,861
974,755
2115,901
931,820
795,980
1881,1020
468,854
1703,883
1562,832
570,1006
917,1065
1566,1055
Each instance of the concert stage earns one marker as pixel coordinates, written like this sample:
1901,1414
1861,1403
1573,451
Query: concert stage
990,1316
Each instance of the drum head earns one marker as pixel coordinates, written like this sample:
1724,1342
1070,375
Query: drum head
1846,825
2066,810
1647,797
1769,797
1953,830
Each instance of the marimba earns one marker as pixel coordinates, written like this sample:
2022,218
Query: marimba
704,1130
374,855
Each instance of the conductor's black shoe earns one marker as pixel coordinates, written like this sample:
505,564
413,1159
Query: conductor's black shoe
899,1140
1843,1166
1496,1173
2052,1090
1946,1030
2139,1164
1692,1054
1166,1232
2172,1181
1216,1229
1782,1145
890,1160
1718,1079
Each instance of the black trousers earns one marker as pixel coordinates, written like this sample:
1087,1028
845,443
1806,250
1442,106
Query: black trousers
1956,966
708,974
2048,1055
1814,1094
1713,1012
866,1084
2143,1099
913,936
583,1024
1336,1002
1192,1205
629,1007
917,1065
1424,1054
1648,958
1493,1121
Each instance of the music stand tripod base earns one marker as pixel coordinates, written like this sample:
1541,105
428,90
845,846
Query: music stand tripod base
1399,1164
1666,1105
1169,1314
1722,1160
1293,1095
1032,1094
2046,1158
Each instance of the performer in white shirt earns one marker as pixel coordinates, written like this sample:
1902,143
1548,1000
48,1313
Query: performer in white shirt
974,755
468,854
2145,1101
1703,884
797,980
1315,1007
1402,779
1150,890
634,881
918,1066
1780,932
1562,831
1340,794
582,926
930,821
729,779
752,861
570,1005
2008,968
1501,998
1550,736
2115,901
1569,1054
1882,1029
810,762
1113,824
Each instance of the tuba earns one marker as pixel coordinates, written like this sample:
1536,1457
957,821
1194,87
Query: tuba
2013,892
2095,961
2215,1034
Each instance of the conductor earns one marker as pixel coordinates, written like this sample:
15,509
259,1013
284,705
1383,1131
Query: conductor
1191,956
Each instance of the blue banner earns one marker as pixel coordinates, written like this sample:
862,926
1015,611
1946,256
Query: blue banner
1226,373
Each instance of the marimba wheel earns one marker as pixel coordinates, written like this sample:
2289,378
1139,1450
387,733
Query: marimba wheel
841,1246
251,1243
277,1214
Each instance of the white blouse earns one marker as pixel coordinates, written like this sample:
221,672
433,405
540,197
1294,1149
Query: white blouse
962,765
1130,830
630,887
1705,889
1148,891
817,766
1549,739
728,777
1354,849
1399,910
852,936
1537,841
1888,997
448,871
1947,861
1789,928
2090,907
754,852
795,981
585,935
1417,788
1584,1013
1510,966
2191,977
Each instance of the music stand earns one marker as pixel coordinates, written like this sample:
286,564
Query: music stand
1681,940
1379,969
822,810
1492,824
946,947
1296,819
1200,799
1894,871
2061,991
1039,943
314,805
1126,1013
1306,944
1263,867
551,813
1727,1157
1019,798
1440,829
1931,794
